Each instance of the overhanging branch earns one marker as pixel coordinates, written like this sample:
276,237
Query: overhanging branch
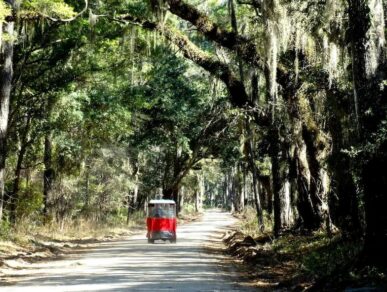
67,19
38,15
228,39
217,68
245,47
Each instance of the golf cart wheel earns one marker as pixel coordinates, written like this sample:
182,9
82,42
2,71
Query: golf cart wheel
173,240
151,240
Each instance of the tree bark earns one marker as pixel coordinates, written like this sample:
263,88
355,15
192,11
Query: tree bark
251,158
267,193
226,191
173,194
199,193
132,202
242,188
312,148
232,189
181,198
229,189
239,192
6,75
87,185
14,196
276,178
133,194
49,172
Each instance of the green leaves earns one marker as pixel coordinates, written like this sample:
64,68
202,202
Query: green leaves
5,10
52,8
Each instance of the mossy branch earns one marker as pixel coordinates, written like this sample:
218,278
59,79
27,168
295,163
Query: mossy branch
229,39
217,68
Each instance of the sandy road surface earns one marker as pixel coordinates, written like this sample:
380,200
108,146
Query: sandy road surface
135,265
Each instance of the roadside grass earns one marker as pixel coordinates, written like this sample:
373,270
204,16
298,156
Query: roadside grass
298,261
249,222
318,255
30,236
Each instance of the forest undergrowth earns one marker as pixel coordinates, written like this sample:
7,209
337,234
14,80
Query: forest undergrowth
300,261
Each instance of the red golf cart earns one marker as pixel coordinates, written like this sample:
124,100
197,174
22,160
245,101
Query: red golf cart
161,221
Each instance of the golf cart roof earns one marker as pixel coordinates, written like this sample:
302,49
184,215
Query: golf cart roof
162,202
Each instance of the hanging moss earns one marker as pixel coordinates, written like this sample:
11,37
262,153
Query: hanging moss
333,61
273,14
376,36
92,18
159,9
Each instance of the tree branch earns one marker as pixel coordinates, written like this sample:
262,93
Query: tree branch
67,19
228,39
245,47
38,15
221,70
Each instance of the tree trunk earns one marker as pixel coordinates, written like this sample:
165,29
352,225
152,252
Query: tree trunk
181,198
287,215
133,194
87,186
199,193
317,153
172,193
226,191
132,202
265,189
242,187
49,172
14,197
6,75
232,189
345,205
311,152
284,216
369,98
274,151
238,195
276,178
251,158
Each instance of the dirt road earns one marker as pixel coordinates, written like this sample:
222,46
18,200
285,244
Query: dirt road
135,265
